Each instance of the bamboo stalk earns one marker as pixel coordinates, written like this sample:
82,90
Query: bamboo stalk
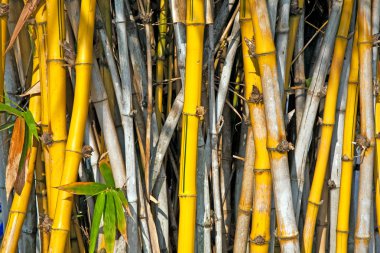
73,154
272,10
282,34
337,151
311,106
276,139
19,206
246,197
327,126
342,227
190,119
124,99
367,125
56,78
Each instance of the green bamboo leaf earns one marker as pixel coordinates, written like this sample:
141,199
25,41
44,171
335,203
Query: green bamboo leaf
9,109
98,212
123,200
84,188
6,126
120,217
109,223
106,172
32,126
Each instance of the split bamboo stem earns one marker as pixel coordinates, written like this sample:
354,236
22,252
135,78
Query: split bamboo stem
61,223
190,119
327,126
311,107
348,152
56,79
367,128
277,144
20,202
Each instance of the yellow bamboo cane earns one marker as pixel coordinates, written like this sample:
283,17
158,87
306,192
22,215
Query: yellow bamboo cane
327,126
4,8
342,228
294,20
161,47
73,156
260,228
56,79
20,202
190,118
277,145
377,131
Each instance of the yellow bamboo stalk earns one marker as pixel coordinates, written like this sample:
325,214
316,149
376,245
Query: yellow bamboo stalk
260,227
73,154
277,145
56,79
377,131
294,20
160,67
348,153
42,200
19,206
3,40
190,118
327,126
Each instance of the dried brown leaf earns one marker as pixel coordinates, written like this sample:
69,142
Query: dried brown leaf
15,153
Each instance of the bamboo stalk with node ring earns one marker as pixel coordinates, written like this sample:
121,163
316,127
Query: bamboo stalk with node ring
327,126
73,151
366,139
190,118
277,145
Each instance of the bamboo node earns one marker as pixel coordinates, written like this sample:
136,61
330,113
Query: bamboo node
331,184
68,53
47,139
87,151
377,136
4,9
200,112
251,46
283,146
259,240
295,10
256,97
376,87
345,158
45,223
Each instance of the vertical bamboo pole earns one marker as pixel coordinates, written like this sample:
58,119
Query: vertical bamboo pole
366,140
312,101
61,223
342,227
20,202
327,126
190,119
56,78
277,144
260,227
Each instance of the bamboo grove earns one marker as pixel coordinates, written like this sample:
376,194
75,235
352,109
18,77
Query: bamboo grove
189,126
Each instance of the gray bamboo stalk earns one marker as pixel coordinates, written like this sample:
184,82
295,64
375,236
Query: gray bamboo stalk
282,34
199,239
225,173
124,100
311,107
367,126
245,211
27,240
218,218
175,113
322,222
272,9
336,150
299,73
89,138
354,208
